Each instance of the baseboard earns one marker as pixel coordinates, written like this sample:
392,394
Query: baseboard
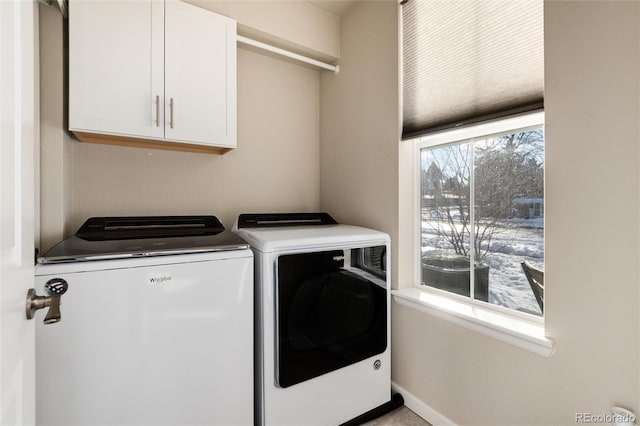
420,408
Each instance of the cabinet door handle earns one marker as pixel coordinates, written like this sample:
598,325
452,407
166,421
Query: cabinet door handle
157,111
171,113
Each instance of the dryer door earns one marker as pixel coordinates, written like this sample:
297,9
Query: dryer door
331,311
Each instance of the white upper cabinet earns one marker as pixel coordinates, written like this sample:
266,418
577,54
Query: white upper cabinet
115,66
202,89
152,73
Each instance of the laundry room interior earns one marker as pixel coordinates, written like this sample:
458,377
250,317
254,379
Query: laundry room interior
314,140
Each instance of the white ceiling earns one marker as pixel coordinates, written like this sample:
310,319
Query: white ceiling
337,7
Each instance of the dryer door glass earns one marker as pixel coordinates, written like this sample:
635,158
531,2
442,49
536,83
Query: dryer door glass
331,311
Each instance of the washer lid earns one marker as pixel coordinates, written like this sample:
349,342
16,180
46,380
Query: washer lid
311,237
139,227
102,238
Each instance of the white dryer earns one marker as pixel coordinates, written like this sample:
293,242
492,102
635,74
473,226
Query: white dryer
322,318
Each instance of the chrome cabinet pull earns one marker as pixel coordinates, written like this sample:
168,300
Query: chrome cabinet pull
171,113
157,111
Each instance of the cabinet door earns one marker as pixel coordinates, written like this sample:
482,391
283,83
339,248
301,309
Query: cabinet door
200,76
116,55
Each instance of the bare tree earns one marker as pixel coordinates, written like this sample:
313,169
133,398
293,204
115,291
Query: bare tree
447,198
505,168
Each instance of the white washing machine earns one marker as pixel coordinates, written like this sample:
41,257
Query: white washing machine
154,327
322,318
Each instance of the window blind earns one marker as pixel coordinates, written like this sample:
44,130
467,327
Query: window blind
466,61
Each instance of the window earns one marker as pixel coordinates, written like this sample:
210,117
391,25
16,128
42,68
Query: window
481,203
471,70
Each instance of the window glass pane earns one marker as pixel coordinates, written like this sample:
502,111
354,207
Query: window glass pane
445,217
509,215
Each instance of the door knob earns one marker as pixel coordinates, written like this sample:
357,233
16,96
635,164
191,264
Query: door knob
55,288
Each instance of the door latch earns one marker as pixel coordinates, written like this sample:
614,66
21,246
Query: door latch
55,288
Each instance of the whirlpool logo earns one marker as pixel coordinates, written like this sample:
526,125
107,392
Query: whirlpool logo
159,280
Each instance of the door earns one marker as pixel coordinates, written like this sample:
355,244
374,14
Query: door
200,76
18,136
332,311
116,67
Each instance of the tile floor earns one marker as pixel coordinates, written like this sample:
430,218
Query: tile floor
399,417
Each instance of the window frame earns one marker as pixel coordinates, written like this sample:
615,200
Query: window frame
519,328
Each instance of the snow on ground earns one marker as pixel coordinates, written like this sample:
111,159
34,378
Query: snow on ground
514,241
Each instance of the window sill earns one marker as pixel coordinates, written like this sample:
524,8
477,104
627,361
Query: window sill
528,335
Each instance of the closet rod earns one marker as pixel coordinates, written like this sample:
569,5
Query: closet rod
279,51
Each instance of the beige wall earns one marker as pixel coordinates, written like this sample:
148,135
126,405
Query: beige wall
294,25
359,123
55,143
274,168
592,73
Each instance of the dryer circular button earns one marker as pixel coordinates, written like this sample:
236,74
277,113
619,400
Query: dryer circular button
377,364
